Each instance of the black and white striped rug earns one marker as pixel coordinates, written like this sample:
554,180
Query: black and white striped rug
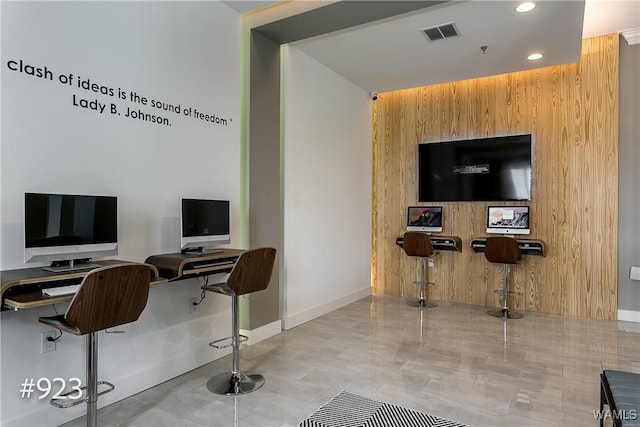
352,410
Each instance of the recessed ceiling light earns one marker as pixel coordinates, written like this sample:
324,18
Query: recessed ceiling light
534,56
525,7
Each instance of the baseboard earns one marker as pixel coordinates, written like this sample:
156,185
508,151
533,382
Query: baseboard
629,316
262,333
297,319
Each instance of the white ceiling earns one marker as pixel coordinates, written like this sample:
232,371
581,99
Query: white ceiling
393,53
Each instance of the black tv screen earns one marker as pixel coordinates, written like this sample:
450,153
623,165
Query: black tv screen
487,169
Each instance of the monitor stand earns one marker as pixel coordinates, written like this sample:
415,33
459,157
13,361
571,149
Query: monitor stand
71,265
201,251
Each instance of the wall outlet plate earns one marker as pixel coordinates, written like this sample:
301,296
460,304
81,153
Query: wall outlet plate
45,345
193,305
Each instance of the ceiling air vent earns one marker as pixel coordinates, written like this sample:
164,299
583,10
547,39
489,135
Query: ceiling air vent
440,32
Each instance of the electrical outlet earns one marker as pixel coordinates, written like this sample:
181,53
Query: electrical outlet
193,305
46,345
430,262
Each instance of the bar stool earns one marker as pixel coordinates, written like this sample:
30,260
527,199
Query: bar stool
418,244
503,250
251,273
108,296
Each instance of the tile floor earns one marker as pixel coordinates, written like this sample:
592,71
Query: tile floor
453,361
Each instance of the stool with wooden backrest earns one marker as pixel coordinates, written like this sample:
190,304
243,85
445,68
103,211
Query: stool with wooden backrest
251,273
418,244
108,296
503,250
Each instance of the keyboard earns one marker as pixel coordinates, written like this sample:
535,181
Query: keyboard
212,264
61,290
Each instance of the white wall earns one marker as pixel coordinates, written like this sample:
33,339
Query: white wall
183,53
327,206
628,179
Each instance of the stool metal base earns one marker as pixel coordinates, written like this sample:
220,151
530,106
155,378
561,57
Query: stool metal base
505,313
234,384
420,303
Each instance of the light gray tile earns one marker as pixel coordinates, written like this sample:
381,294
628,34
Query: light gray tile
453,361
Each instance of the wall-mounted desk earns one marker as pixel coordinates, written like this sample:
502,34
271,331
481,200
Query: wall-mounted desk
441,243
179,266
22,288
527,246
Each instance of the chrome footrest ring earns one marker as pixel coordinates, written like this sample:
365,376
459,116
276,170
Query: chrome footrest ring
243,338
74,402
501,291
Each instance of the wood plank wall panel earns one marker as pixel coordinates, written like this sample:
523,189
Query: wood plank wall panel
572,112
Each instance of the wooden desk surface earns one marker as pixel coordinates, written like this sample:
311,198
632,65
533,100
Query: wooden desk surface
440,242
175,266
10,279
527,246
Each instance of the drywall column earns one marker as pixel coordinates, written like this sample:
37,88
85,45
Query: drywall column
265,201
628,179
266,188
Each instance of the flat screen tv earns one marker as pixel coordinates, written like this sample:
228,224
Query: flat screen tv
427,219
65,227
205,223
487,169
508,219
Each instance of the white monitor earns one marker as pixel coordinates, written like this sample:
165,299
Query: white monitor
508,220
427,219
205,223
67,227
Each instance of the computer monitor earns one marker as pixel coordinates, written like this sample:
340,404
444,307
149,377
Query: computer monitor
67,227
508,219
205,223
427,219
